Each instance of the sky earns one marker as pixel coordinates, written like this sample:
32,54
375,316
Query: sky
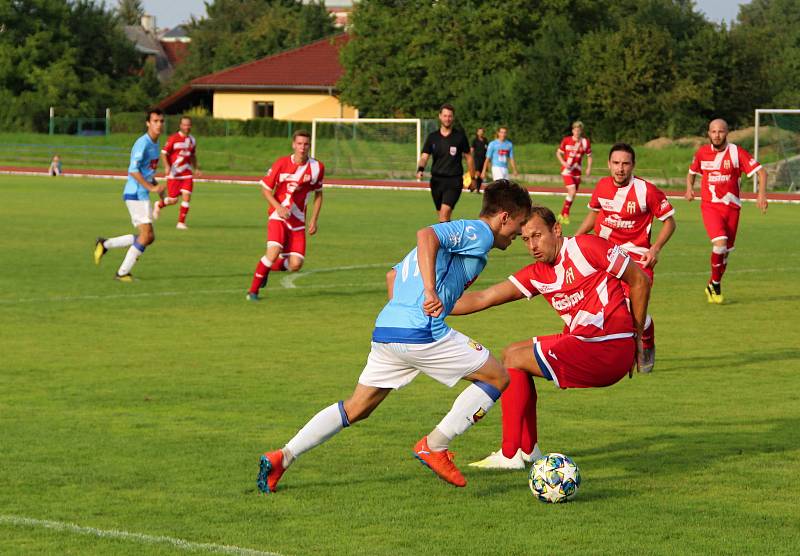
170,13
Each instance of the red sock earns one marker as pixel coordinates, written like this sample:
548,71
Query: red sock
183,213
567,206
513,402
259,277
279,265
530,434
649,335
718,265
161,203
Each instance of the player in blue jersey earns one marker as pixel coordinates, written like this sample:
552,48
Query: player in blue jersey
141,181
411,337
499,155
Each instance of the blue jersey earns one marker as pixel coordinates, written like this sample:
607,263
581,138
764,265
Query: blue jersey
144,159
460,259
499,152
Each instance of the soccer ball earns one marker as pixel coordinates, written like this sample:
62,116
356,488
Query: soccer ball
554,478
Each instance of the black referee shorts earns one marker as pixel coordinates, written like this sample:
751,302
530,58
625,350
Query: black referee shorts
446,190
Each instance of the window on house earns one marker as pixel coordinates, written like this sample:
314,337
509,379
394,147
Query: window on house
263,109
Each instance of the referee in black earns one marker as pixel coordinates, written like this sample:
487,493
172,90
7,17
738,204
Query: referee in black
447,145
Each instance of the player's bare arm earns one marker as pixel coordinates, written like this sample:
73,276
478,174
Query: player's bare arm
588,223
485,168
165,163
312,222
195,167
514,166
639,285
390,276
472,302
761,201
421,163
560,157
427,248
152,187
689,195
650,259
588,165
282,211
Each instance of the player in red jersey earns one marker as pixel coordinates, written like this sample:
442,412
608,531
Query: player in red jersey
286,188
582,277
722,164
179,157
622,210
570,153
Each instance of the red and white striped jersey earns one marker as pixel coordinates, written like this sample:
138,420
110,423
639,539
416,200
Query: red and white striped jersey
291,184
572,152
583,286
722,172
625,214
179,149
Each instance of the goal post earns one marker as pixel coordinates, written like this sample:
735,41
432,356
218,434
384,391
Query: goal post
777,146
367,147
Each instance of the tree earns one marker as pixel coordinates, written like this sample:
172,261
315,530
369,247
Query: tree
238,31
72,55
130,11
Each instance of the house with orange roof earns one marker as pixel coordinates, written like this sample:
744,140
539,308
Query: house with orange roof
297,84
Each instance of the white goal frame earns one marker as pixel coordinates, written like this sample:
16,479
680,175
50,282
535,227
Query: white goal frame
416,121
760,111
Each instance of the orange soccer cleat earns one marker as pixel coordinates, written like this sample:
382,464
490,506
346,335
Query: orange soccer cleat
440,463
270,471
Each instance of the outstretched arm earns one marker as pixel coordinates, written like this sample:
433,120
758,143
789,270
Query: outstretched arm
588,223
667,229
639,285
472,302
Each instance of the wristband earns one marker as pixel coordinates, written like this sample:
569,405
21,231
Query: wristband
421,169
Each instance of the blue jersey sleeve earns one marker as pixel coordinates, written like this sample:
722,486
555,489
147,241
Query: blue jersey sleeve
465,237
511,150
491,150
137,156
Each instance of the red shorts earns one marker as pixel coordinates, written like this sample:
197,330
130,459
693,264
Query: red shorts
721,221
573,178
292,242
573,363
175,187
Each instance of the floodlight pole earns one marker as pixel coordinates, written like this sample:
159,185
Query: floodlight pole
52,123
108,122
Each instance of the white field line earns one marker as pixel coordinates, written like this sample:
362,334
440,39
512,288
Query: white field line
138,538
289,280
555,193
291,285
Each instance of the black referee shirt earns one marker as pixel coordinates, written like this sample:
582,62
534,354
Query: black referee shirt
479,151
447,152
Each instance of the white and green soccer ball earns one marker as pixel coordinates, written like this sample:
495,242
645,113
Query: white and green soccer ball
554,478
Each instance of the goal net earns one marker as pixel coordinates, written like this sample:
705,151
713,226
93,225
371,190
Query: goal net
367,147
777,147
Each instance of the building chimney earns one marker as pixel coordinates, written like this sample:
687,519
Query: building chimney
149,23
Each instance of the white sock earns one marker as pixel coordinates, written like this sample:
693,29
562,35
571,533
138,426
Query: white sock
470,406
120,241
535,454
133,254
320,428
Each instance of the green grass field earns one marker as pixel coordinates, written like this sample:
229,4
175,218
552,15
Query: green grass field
142,408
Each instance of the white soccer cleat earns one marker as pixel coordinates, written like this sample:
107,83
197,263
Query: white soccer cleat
535,454
181,226
156,210
496,460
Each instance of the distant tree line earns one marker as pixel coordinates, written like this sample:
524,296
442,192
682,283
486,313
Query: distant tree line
631,69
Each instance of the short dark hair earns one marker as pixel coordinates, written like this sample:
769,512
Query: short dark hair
185,117
625,147
505,195
301,133
547,215
156,111
447,106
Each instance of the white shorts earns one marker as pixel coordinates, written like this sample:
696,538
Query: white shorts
499,173
141,212
447,361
